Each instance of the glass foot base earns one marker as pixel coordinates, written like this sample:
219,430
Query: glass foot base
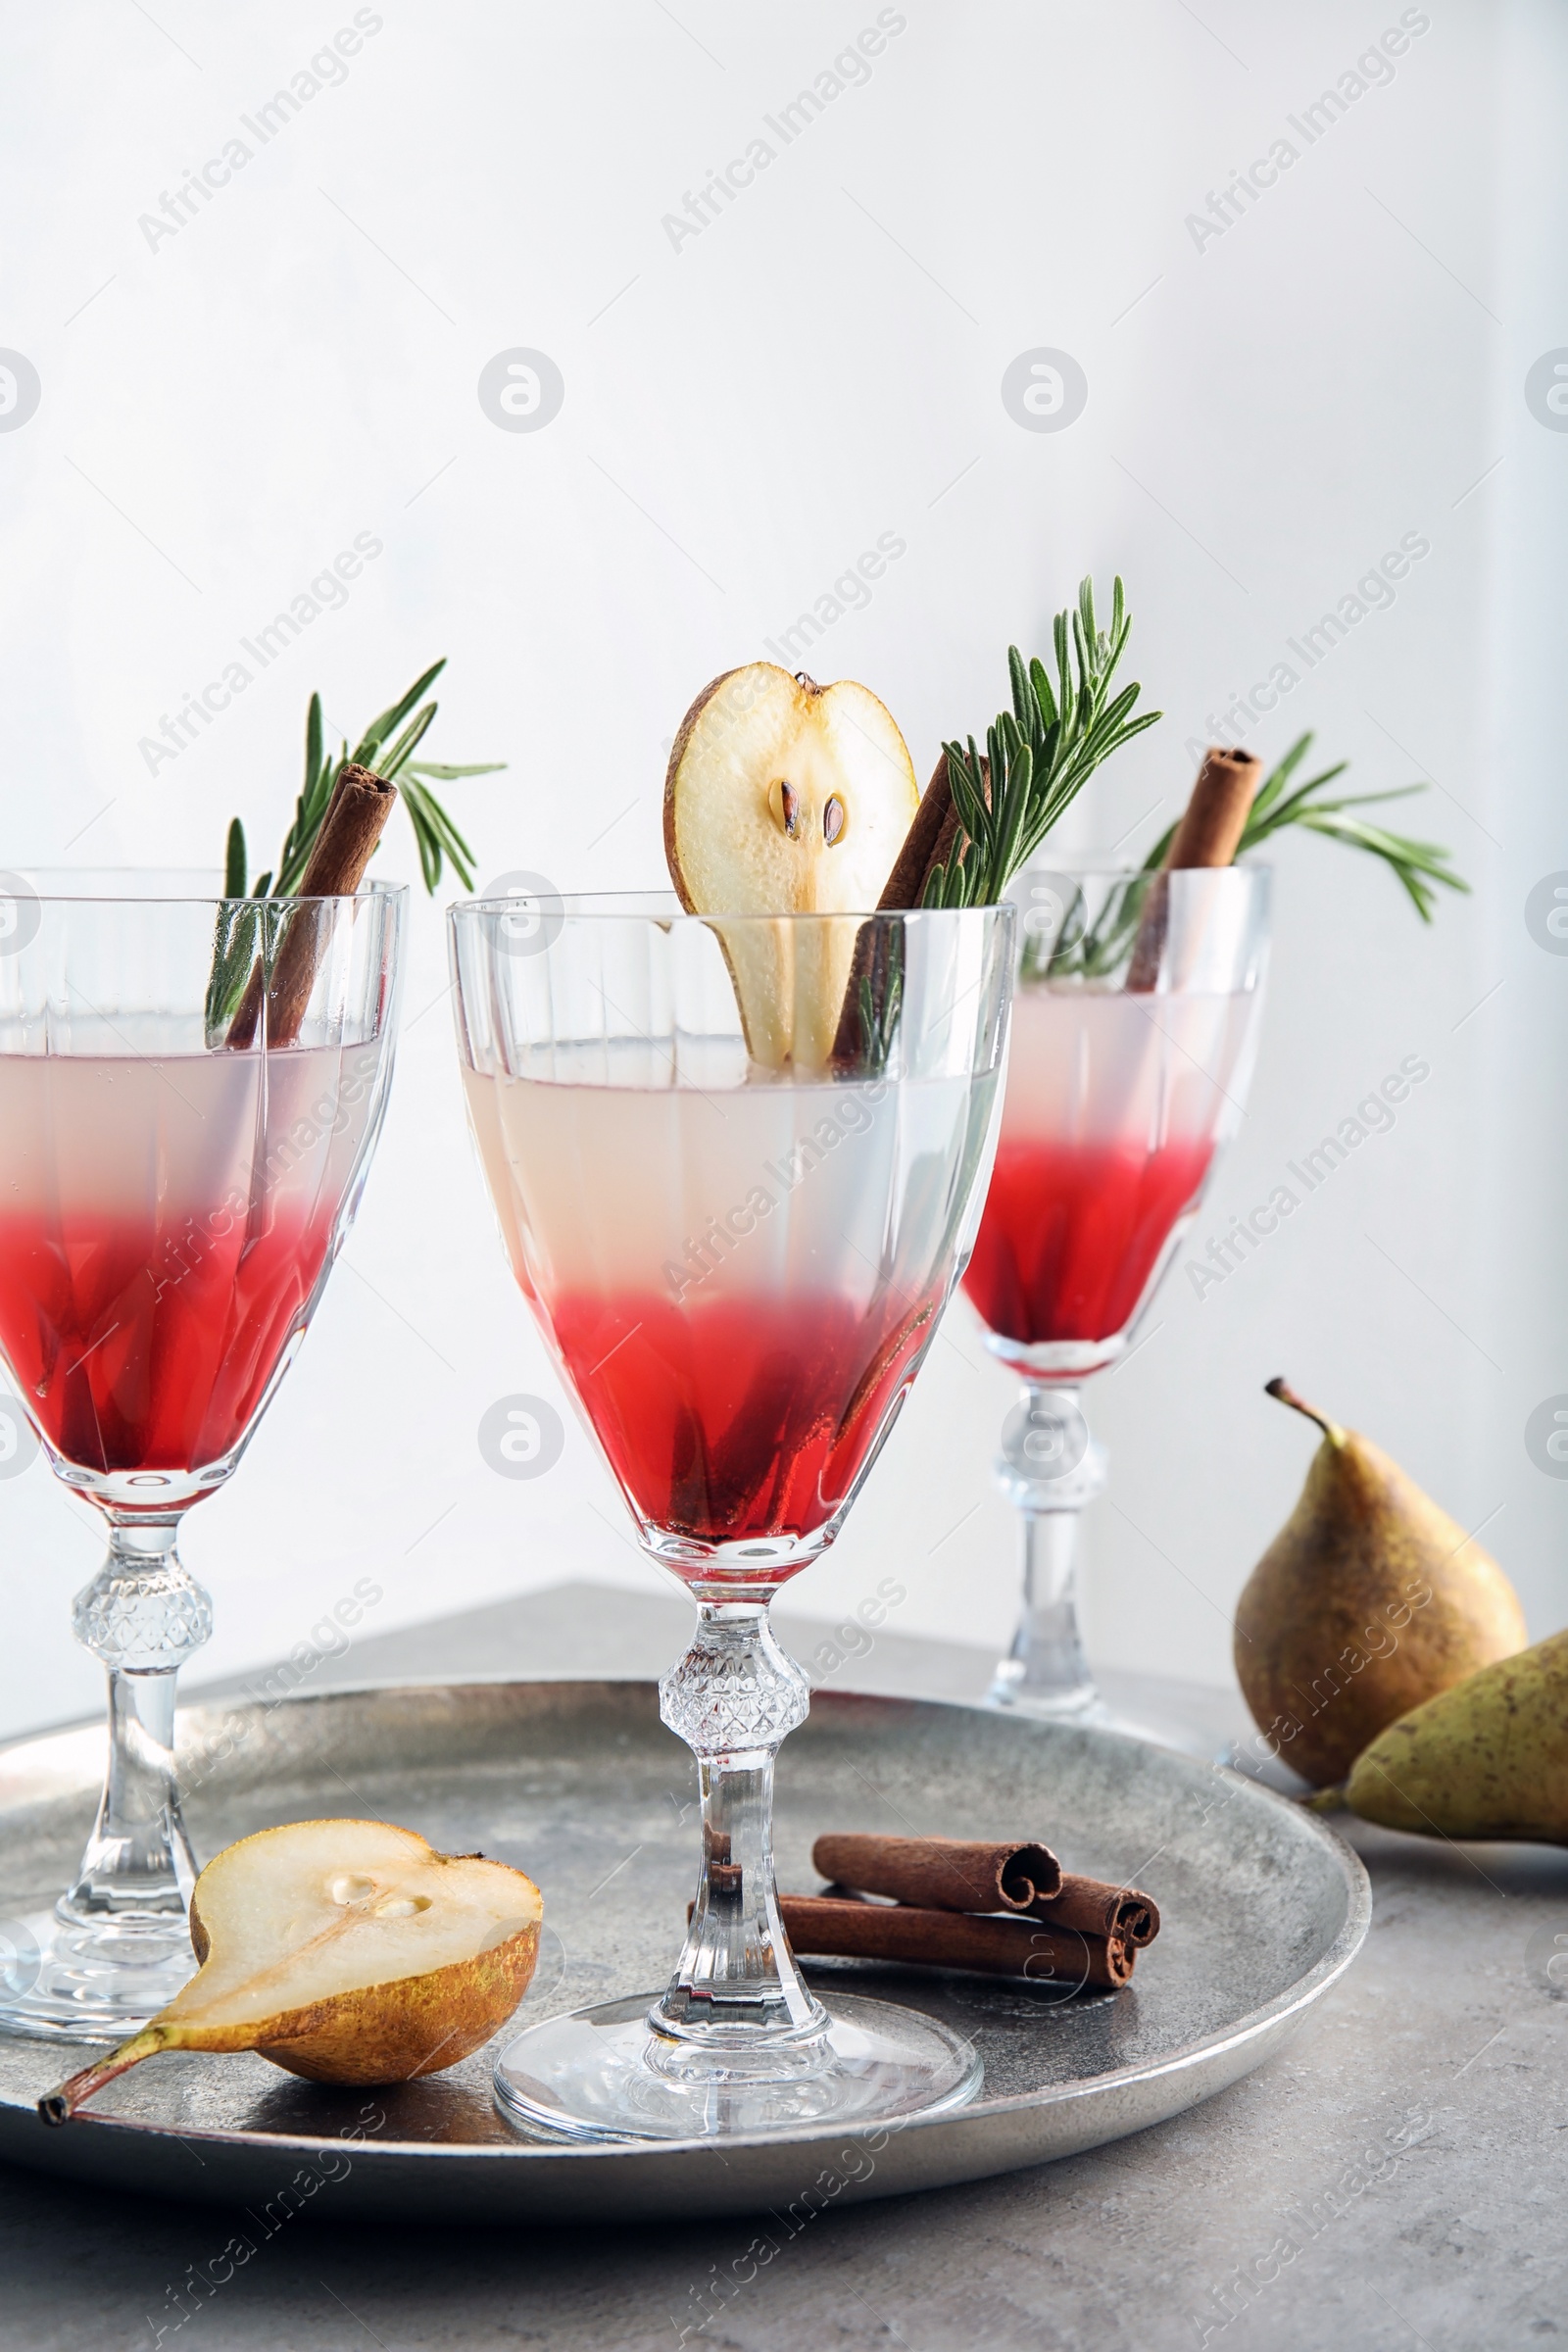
1083,1703
588,2076
70,1983
1076,1702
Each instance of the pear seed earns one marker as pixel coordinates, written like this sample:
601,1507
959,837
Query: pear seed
833,820
785,802
350,1890
402,1906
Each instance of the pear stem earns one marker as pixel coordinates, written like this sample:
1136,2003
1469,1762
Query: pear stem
58,2105
1324,1800
1283,1389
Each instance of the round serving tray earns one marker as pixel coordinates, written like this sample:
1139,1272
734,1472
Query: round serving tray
580,1784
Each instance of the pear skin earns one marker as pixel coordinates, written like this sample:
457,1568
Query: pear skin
1487,1759
348,1951
1369,1601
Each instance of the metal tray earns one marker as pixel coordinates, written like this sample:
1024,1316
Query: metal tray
580,1784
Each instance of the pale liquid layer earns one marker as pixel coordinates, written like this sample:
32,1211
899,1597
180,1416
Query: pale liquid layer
1100,1067
769,1186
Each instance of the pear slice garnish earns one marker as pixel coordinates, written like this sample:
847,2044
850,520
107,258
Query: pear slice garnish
783,797
348,1951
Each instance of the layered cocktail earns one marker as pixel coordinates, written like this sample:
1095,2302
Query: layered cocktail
1134,1029
737,1276
1115,1105
166,1219
739,1265
172,1193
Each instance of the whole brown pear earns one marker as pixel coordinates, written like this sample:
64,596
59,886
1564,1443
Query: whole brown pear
1368,1601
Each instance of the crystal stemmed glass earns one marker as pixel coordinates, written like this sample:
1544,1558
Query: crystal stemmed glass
738,1270
1134,1033
169,1210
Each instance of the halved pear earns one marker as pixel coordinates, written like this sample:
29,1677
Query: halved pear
348,1951
783,797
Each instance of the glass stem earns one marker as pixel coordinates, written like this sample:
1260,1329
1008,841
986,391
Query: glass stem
142,1615
1050,1468
736,2007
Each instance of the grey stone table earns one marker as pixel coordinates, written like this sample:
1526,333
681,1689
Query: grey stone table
1398,2177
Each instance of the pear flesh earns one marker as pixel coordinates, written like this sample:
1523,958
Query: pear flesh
1486,1759
348,1951
783,797
1369,1601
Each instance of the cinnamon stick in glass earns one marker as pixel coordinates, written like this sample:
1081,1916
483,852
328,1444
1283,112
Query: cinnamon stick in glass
841,1928
948,1874
355,820
1209,834
935,834
930,840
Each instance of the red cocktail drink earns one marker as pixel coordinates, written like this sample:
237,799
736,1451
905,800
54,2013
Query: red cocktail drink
1115,1104
731,1417
738,1285
168,1224
170,1202
736,1213
1071,1234
147,1348
1133,1028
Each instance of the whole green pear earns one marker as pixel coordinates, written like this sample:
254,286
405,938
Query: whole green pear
1369,1601
1487,1759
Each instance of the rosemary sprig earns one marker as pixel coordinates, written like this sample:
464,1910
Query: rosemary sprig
879,996
1418,866
235,938
1039,754
390,752
391,755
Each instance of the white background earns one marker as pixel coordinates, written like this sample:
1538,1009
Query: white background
1268,413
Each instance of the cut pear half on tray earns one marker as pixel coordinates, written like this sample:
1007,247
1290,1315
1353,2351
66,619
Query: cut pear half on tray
785,798
348,1951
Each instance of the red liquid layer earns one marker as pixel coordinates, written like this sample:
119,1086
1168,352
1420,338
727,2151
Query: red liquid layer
729,1418
1071,1234
146,1344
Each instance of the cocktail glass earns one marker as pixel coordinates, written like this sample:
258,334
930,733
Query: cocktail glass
738,1271
1133,1032
169,1210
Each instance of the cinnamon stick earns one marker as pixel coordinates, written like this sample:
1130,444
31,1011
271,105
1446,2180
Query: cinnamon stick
929,842
945,1874
934,834
1215,818
1124,1913
842,1929
1209,834
954,1874
355,820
